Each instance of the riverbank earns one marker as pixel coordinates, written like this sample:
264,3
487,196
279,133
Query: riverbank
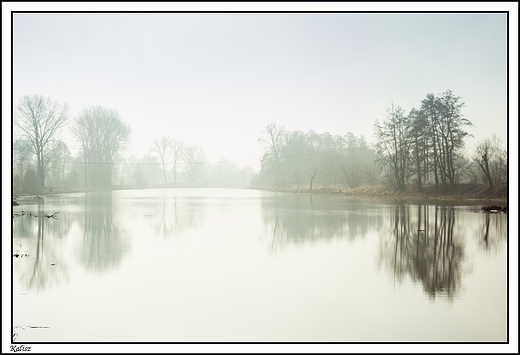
84,189
461,194
464,194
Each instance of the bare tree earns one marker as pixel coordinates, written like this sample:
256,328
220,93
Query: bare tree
177,149
274,141
40,118
354,174
314,170
162,147
490,158
446,130
193,158
393,144
102,135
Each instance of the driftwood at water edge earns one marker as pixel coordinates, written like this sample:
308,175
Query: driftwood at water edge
30,214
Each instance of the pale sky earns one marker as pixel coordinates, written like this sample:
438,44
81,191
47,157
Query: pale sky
216,80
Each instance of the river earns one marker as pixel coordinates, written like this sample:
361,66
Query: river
224,265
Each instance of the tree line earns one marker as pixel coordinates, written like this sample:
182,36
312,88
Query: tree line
303,159
41,159
425,146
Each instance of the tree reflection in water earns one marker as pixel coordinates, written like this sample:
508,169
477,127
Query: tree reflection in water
494,231
103,245
178,215
38,241
307,218
424,248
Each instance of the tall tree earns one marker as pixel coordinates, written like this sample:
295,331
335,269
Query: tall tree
102,135
274,139
393,144
40,118
193,158
162,147
447,130
177,149
430,110
452,132
418,144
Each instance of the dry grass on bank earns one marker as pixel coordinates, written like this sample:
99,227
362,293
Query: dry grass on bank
470,193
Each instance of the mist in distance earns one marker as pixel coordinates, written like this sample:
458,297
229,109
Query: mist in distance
212,83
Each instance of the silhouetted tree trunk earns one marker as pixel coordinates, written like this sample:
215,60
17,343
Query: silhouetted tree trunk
315,170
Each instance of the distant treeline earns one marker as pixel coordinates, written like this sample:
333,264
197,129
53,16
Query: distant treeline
41,160
425,146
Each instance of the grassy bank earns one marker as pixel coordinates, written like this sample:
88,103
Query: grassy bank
460,194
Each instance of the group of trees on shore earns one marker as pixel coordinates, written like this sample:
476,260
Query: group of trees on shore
425,146
303,159
41,159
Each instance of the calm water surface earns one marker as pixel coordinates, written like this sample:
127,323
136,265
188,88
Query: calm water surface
206,265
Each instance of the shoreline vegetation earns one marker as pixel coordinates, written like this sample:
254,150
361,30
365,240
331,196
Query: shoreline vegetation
464,194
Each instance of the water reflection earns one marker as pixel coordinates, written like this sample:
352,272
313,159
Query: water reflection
37,244
494,232
424,243
222,277
103,245
177,215
304,218
421,244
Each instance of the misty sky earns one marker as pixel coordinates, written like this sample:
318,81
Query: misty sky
216,80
